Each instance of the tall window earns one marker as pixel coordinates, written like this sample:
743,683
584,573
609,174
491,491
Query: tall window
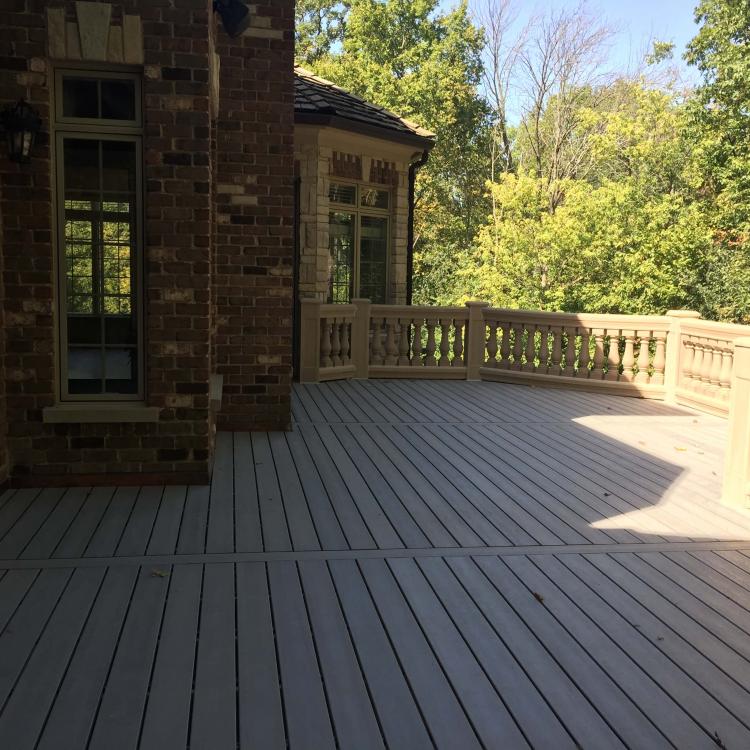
358,243
99,193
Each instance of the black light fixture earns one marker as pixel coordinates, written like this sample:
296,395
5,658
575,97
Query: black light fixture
21,124
235,15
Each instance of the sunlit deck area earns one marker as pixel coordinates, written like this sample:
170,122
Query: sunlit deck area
417,564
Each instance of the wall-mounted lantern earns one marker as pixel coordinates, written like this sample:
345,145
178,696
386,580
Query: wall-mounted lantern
21,123
235,15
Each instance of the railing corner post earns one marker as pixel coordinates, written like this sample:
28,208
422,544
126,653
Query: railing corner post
674,344
736,488
475,339
360,344
309,360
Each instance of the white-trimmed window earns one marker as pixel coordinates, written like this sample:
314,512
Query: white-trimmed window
98,148
359,226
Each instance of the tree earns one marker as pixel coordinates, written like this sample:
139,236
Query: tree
319,26
721,130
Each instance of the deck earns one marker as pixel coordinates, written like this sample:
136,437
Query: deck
418,564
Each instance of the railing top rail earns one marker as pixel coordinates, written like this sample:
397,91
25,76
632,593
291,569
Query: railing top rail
417,311
337,311
710,328
588,320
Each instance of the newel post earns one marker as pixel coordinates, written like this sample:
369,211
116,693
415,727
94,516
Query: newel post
309,341
674,345
360,344
736,490
476,339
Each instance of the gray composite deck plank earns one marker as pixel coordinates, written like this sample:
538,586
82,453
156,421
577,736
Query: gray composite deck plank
271,502
14,586
248,532
137,531
444,715
259,702
672,618
356,409
376,475
214,718
383,531
166,528
15,507
192,536
347,512
611,700
688,602
399,716
107,535
493,723
72,716
331,411
313,413
429,524
23,715
26,626
327,525
29,523
46,539
533,714
561,690
354,721
561,510
305,704
167,718
77,536
662,693
523,518
220,533
119,717
686,656
301,527
468,515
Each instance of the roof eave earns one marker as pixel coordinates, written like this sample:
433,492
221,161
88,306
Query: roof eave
362,128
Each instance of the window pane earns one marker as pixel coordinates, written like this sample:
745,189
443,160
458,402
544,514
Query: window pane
341,258
373,258
343,194
118,99
80,98
374,198
99,256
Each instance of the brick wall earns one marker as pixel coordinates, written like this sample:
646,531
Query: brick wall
255,217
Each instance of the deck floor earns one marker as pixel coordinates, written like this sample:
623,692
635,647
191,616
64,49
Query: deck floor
418,564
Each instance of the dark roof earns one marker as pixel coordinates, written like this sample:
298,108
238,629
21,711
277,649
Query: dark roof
320,102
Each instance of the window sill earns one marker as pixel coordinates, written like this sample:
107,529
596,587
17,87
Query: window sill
100,413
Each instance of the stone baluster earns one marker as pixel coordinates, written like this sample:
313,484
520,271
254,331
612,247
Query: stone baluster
529,364
715,374
458,344
492,344
391,350
597,370
644,337
725,377
570,351
706,362
613,356
584,358
555,365
445,344
429,360
403,342
517,345
416,343
378,353
544,349
325,344
688,359
660,358
628,356
505,347
335,342
345,345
